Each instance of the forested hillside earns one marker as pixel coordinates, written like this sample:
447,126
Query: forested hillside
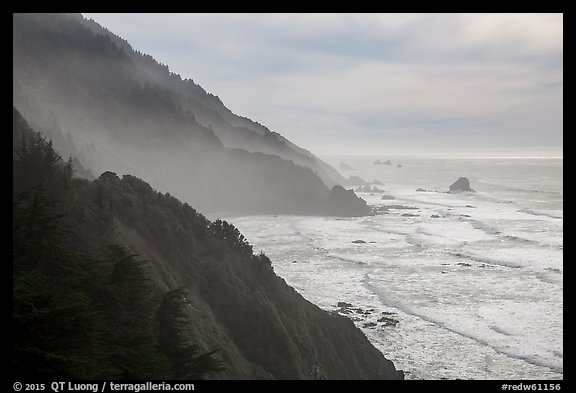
113,279
115,109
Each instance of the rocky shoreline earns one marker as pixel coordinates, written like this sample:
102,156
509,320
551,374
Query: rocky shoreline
368,318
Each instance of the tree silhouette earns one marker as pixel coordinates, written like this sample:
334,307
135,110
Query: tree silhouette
129,308
55,325
185,360
231,235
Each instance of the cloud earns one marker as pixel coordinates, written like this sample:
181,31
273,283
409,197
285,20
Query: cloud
350,79
527,33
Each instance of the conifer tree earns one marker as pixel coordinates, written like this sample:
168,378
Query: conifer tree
185,360
83,305
130,311
55,325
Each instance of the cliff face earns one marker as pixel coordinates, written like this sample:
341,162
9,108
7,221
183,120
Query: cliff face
260,327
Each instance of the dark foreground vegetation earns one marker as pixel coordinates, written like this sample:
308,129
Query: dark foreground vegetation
112,279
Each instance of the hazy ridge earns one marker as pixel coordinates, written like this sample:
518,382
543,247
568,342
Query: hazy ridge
116,109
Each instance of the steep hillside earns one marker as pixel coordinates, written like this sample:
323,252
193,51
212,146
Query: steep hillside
78,244
233,130
116,109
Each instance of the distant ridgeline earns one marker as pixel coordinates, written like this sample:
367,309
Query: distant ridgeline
115,280
115,109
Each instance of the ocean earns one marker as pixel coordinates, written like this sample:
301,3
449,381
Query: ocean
447,286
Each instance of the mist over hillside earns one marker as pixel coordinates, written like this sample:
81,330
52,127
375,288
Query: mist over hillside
149,288
113,108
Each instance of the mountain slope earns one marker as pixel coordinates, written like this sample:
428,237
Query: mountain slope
120,110
260,327
233,130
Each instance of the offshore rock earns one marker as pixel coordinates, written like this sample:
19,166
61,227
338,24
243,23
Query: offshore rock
460,185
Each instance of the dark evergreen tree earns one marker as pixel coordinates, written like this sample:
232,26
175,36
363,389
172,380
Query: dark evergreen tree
231,235
83,305
185,359
56,328
130,310
36,163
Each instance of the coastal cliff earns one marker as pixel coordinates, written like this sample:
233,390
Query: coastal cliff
111,236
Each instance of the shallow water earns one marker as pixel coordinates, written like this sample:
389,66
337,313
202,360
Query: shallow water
476,290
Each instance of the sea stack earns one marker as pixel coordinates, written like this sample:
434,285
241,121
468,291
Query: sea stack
460,185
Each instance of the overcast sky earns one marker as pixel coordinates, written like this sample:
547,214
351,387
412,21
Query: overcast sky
373,83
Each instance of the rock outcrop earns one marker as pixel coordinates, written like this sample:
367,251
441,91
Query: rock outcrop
368,189
460,185
343,202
